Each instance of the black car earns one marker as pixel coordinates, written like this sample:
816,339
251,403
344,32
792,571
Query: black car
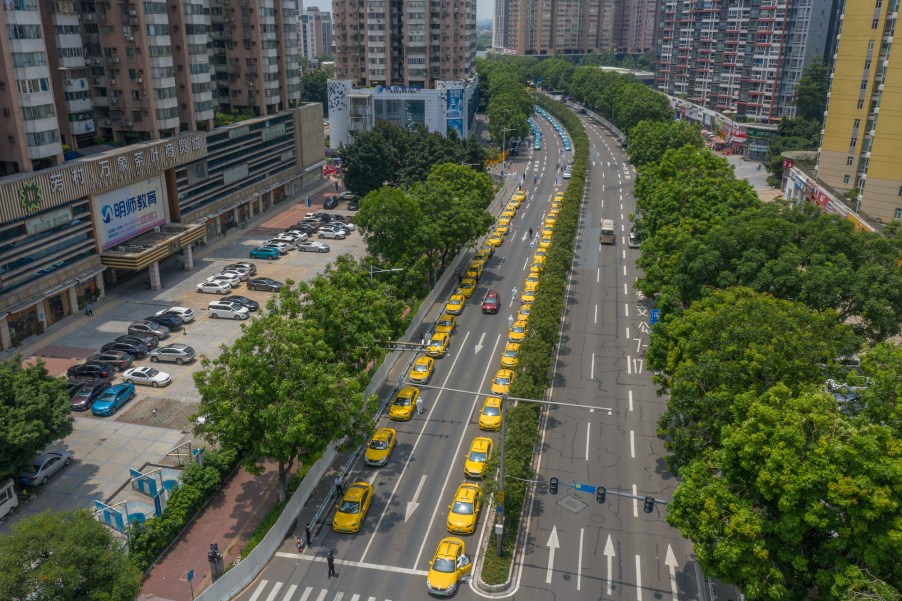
149,340
92,370
264,284
354,204
306,228
170,320
117,359
136,350
331,202
87,394
244,301
73,385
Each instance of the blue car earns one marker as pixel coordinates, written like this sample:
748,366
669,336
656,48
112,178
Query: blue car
265,253
113,398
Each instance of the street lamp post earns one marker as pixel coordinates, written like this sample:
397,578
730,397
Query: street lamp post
373,270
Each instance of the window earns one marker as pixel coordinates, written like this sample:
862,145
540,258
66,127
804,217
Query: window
853,142
857,124
875,23
32,86
845,179
849,160
23,32
861,104
30,113
42,138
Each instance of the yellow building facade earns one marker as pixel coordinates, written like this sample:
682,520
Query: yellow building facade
861,145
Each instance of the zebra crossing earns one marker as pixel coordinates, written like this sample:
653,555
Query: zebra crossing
294,593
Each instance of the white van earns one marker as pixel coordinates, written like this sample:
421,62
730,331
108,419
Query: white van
227,310
8,498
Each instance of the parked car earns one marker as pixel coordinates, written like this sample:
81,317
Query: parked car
117,359
147,376
214,287
241,274
347,195
232,279
265,253
177,353
41,468
331,231
185,313
137,351
283,247
217,309
73,384
633,241
148,340
244,301
92,370
354,204
249,266
267,284
331,202
313,247
86,394
113,398
149,327
281,251
173,323
305,228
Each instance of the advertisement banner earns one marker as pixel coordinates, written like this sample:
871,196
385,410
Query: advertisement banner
456,124
454,104
129,211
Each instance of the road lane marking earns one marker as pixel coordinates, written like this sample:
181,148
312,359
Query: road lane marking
625,290
638,578
624,270
629,365
592,367
588,437
623,253
579,568
626,308
609,553
275,591
631,399
353,564
429,415
632,444
259,590
598,275
412,504
553,544
627,333
635,505
339,596
290,593
307,593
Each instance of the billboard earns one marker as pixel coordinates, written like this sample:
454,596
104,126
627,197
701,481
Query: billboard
129,211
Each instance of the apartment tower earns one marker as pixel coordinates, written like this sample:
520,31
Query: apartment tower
547,27
316,33
636,24
862,134
741,57
414,43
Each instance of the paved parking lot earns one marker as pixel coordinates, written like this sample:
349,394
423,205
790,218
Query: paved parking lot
104,448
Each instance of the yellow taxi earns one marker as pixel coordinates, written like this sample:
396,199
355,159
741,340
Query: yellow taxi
445,324
490,415
495,239
503,380
449,564
504,221
511,206
380,446
509,211
466,287
557,205
353,507
422,369
480,257
476,458
487,249
511,355
539,256
554,211
558,196
438,345
523,312
474,271
548,230
536,268
464,509
545,242
550,219
503,228
401,408
518,330
532,282
528,296
518,197
455,304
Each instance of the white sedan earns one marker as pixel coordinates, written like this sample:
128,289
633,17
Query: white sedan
185,313
241,274
232,280
282,246
214,287
147,376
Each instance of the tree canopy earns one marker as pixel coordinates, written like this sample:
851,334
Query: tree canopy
649,140
811,91
313,88
65,556
34,411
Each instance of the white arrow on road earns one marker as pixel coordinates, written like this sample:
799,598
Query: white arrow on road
412,505
552,545
609,553
671,563
479,344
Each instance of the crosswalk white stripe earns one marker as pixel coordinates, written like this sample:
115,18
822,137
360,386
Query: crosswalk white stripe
355,597
274,592
338,596
306,593
259,590
290,592
322,594
371,599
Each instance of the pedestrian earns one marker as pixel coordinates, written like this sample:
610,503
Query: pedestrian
184,331
759,166
336,185
535,178
514,293
331,561
89,310
510,321
307,533
530,233
338,488
297,543
419,405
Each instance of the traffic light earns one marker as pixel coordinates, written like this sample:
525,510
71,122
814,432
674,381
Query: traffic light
649,505
552,485
600,493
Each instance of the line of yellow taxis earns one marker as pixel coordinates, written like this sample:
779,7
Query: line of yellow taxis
450,561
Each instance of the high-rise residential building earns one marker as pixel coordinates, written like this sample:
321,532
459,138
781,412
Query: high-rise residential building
547,27
862,134
413,44
315,33
133,71
741,57
635,27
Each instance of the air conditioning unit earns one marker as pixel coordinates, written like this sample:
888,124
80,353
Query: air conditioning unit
114,101
140,80
116,59
89,17
112,82
130,38
128,124
133,13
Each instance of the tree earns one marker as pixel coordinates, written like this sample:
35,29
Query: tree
732,342
313,88
797,501
34,411
649,140
881,400
279,392
63,556
389,220
811,92
792,134
372,158
465,179
637,102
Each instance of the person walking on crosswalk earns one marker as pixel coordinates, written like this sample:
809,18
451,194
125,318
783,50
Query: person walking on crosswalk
331,561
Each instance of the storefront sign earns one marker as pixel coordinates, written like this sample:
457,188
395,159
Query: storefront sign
129,211
48,221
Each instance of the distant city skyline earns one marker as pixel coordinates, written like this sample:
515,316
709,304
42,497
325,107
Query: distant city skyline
483,7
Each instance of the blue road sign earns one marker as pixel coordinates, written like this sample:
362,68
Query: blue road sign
653,316
499,508
190,574
578,486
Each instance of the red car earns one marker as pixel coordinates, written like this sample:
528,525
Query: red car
491,302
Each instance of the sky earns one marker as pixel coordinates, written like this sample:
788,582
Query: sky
483,7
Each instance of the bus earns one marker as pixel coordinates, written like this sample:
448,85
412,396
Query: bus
607,231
